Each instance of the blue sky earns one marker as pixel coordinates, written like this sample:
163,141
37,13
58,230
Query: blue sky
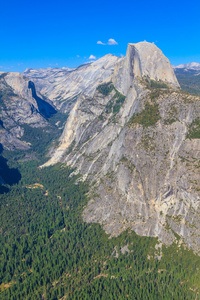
62,33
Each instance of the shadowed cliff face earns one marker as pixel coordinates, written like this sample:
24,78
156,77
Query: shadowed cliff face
144,166
62,86
1,123
140,150
7,175
19,105
44,107
143,60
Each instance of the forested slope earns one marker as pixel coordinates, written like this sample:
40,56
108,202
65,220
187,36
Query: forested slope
189,80
48,252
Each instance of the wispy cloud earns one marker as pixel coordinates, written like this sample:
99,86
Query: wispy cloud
78,56
100,43
92,57
110,42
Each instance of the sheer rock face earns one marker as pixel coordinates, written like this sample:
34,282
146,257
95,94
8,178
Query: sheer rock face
62,86
17,107
19,84
145,178
143,59
138,152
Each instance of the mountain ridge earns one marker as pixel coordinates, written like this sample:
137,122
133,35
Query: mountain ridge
83,79
188,66
134,134
134,148
20,104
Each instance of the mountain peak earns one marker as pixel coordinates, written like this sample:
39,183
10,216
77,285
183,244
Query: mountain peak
143,59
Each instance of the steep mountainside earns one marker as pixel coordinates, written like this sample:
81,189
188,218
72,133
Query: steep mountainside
189,79
143,60
19,105
140,150
131,131
132,141
63,86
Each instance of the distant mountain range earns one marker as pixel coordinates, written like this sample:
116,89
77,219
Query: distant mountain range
188,76
189,66
62,86
130,130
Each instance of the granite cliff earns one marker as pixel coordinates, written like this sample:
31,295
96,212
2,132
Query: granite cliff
135,135
19,105
62,86
143,60
137,141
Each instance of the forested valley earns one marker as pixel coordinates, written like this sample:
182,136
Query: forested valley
48,252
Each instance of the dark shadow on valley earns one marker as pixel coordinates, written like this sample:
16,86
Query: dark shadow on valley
1,123
44,107
8,176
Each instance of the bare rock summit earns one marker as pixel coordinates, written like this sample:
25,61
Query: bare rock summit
143,60
136,139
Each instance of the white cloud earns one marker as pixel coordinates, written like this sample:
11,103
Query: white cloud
112,42
100,43
92,57
109,42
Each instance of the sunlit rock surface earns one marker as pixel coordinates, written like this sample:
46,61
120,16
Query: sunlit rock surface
18,107
62,86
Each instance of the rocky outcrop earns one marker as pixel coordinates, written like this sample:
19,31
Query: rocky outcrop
140,152
62,86
143,60
46,109
18,106
131,132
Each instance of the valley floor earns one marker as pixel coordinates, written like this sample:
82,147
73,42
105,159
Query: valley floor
48,252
